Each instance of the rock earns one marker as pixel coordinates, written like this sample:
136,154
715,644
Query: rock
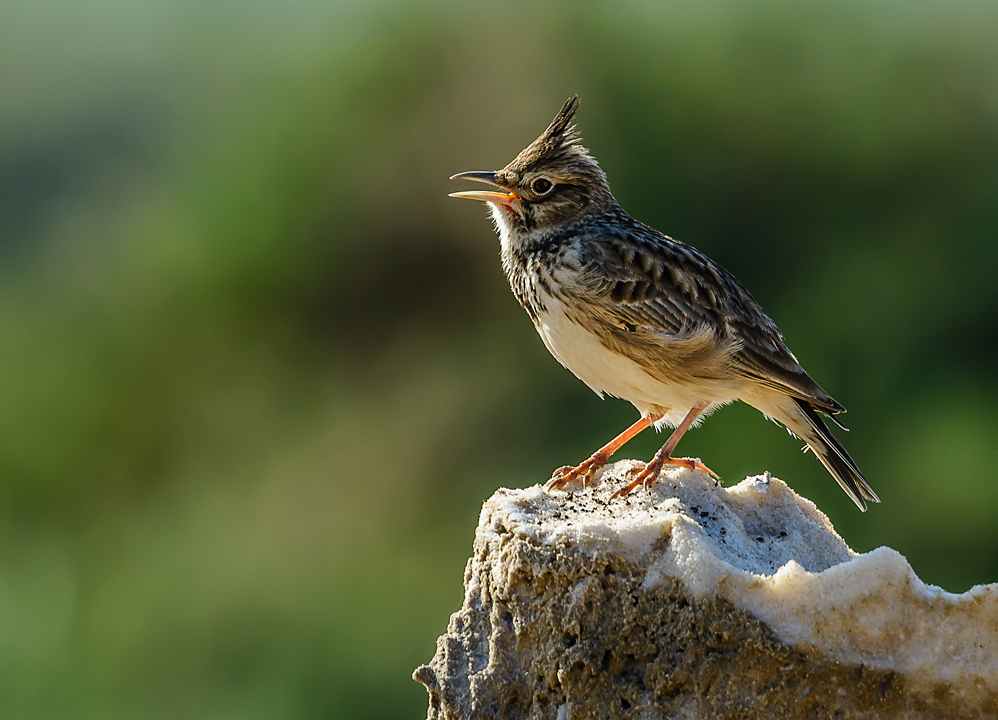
696,601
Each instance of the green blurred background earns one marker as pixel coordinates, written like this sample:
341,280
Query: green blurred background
259,372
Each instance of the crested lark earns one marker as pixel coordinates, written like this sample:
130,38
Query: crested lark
638,315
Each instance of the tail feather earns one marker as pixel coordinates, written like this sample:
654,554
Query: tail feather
833,456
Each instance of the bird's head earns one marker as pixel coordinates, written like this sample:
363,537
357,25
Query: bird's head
553,181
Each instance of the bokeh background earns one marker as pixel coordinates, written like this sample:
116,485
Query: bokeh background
259,372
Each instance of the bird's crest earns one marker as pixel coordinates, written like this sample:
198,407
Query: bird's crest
559,144
561,132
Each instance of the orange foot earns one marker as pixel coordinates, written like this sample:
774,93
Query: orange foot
586,472
649,473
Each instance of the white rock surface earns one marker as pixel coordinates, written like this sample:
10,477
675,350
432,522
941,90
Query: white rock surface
770,554
773,554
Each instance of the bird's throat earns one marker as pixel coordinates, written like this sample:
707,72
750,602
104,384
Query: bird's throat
505,219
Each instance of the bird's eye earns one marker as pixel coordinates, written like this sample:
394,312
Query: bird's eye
541,186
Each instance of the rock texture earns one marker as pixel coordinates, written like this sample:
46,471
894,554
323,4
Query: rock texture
696,601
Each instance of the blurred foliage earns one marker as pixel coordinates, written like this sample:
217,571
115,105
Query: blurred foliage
259,372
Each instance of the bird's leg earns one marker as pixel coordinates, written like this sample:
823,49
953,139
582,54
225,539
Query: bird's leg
649,474
587,470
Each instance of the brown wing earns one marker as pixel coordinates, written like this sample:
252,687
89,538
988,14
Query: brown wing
658,285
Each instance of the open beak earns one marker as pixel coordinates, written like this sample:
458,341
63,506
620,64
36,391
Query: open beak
502,198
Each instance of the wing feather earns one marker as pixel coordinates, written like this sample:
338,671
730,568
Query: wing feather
652,284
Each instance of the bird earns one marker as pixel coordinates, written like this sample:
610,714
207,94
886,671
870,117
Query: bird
640,316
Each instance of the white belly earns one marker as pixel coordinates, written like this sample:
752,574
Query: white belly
608,372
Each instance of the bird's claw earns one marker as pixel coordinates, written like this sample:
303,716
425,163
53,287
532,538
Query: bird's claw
568,473
693,464
647,475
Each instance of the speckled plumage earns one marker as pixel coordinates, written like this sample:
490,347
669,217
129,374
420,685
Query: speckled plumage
639,315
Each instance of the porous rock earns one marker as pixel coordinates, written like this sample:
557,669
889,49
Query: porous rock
691,600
